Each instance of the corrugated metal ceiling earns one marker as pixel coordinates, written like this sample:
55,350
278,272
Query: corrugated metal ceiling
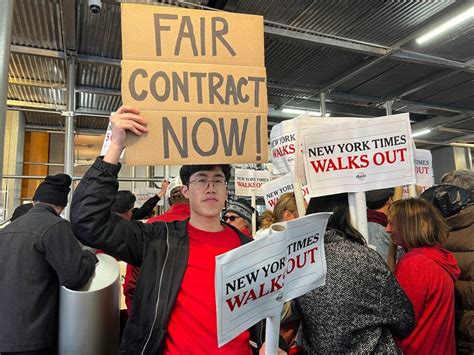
296,68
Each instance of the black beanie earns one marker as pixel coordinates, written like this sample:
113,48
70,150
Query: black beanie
54,190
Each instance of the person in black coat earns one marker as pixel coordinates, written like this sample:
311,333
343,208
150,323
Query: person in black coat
38,253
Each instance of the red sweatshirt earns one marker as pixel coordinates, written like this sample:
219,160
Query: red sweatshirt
427,276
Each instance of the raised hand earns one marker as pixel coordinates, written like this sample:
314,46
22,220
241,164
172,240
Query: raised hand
126,118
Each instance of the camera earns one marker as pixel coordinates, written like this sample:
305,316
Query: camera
95,6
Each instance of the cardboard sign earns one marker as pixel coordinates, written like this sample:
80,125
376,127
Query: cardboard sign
249,180
274,189
424,168
358,156
254,280
198,78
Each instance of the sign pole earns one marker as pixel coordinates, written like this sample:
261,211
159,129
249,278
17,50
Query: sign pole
272,335
254,214
412,190
352,209
361,212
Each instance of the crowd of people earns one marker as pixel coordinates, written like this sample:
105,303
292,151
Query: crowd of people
423,306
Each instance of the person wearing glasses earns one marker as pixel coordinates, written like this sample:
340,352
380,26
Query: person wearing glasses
174,310
239,214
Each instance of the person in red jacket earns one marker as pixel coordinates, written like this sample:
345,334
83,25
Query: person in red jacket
426,273
178,211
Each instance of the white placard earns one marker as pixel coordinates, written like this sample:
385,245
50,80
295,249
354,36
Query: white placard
254,280
424,168
282,146
358,155
248,180
107,141
273,190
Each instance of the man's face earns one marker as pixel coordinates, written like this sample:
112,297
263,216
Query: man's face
236,221
207,193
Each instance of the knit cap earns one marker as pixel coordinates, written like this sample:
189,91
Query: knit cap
54,190
242,208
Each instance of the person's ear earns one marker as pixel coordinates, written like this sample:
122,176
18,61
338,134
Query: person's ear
185,191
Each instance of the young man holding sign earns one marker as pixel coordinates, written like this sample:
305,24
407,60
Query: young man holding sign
174,309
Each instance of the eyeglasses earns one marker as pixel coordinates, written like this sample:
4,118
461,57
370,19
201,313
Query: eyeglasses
203,184
230,218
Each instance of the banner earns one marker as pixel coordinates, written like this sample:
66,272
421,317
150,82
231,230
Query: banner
254,280
358,156
248,180
424,168
199,79
274,189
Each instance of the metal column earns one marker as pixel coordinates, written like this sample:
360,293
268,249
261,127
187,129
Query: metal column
6,21
322,103
69,125
388,107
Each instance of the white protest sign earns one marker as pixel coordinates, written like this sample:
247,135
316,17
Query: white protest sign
424,168
304,122
107,141
282,145
358,156
248,180
272,190
254,280
143,194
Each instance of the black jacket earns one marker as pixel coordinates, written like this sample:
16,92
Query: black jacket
146,209
38,252
160,249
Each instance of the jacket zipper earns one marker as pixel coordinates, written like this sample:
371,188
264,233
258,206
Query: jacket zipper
159,289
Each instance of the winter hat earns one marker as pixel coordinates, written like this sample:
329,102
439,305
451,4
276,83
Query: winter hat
174,183
21,210
242,208
54,190
448,199
376,199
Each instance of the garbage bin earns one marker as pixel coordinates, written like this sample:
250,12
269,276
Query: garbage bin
89,319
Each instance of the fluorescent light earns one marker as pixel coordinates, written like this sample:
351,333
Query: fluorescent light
455,21
421,132
300,112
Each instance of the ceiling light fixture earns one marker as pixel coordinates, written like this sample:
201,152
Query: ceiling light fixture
421,132
455,21
300,112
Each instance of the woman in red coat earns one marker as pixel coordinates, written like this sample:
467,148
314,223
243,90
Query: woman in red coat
427,273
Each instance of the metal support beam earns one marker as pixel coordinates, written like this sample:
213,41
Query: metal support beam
301,34
98,91
421,84
420,58
35,105
68,17
388,107
36,83
6,23
37,51
69,124
322,103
